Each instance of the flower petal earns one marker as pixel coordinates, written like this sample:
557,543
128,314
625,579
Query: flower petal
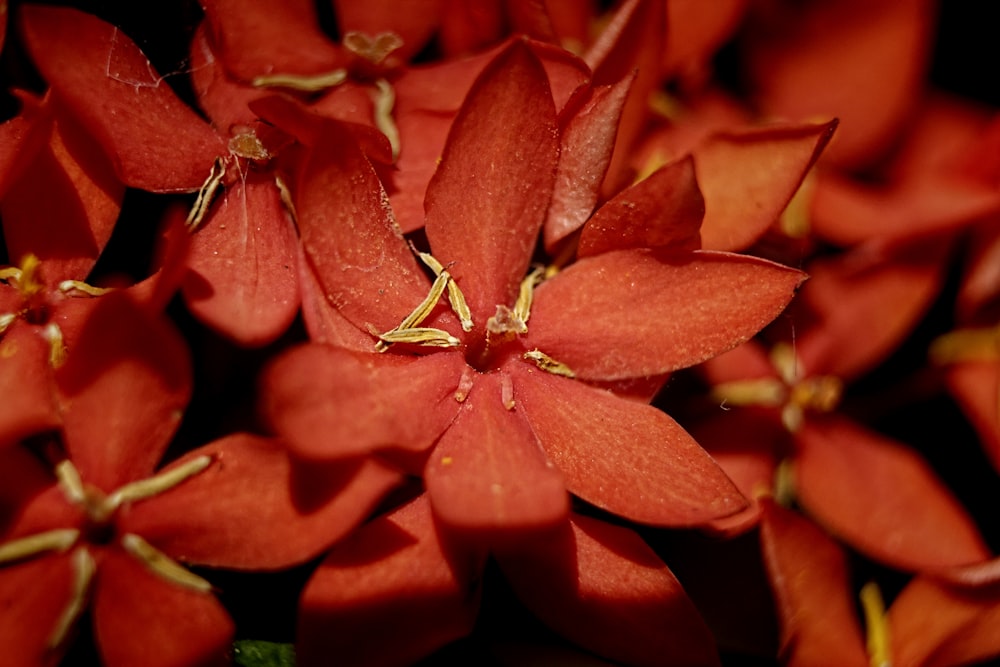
976,388
487,200
635,312
155,140
392,573
33,596
749,178
324,323
142,619
602,587
330,403
242,511
882,498
361,259
960,631
811,585
124,388
664,210
29,404
243,280
586,145
628,458
487,479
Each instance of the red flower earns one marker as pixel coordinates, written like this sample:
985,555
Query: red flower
111,530
501,403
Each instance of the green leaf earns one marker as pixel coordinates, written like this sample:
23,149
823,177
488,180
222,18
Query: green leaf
256,653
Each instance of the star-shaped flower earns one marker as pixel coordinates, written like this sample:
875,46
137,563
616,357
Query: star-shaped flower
505,384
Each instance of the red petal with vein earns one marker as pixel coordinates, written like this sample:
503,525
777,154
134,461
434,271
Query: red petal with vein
142,619
847,212
602,587
29,404
486,203
749,178
124,388
860,305
414,22
860,61
63,204
270,37
224,100
33,595
960,630
156,142
811,584
585,152
747,445
662,211
976,387
350,237
633,313
330,403
422,136
241,511
628,458
882,498
391,573
243,280
488,477
324,323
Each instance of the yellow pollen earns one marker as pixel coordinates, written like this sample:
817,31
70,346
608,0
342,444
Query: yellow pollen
877,625
306,83
964,345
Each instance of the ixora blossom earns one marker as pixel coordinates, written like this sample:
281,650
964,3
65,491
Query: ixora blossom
505,385
87,519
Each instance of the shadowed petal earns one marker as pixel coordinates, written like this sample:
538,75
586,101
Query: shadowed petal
663,210
124,388
241,511
243,279
628,458
155,140
392,573
330,403
585,152
882,498
603,588
749,178
635,313
811,585
143,619
28,406
486,202
488,475
976,387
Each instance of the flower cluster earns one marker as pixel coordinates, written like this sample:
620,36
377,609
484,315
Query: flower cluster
499,332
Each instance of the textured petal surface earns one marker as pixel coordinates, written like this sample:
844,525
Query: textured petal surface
748,179
664,210
324,323
243,279
242,512
124,388
603,588
330,403
882,498
142,619
488,478
811,584
156,142
626,457
392,573
486,203
635,313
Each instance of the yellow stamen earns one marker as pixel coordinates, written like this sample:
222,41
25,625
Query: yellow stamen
25,547
425,336
245,144
307,83
526,294
963,345
163,565
408,328
68,286
26,275
548,364
384,99
83,573
375,49
206,193
286,197
766,392
6,320
877,625
785,362
57,348
70,483
784,483
157,484
455,296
